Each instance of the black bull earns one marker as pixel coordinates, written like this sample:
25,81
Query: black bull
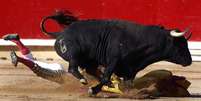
122,47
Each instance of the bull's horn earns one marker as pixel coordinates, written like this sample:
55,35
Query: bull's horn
173,33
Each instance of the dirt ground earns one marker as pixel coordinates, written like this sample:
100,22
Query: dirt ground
21,84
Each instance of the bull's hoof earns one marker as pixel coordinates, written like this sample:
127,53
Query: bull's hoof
91,92
83,81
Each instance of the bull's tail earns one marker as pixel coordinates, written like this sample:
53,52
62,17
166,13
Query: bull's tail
63,18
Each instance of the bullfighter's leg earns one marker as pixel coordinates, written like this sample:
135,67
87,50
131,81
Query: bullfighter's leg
115,86
73,69
26,53
15,59
53,72
15,38
106,79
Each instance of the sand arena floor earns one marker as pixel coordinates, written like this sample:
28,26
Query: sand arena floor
21,84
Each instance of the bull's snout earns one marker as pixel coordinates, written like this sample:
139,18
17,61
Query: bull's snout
187,63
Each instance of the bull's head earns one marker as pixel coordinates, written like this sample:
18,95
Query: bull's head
179,52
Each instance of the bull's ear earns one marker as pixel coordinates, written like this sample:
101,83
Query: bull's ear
161,27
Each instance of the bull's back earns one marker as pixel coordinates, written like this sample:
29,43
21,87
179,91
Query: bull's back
92,36
92,29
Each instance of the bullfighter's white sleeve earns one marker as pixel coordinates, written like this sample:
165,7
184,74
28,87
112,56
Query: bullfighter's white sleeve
50,66
49,71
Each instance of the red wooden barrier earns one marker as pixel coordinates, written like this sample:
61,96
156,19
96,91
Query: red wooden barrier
24,16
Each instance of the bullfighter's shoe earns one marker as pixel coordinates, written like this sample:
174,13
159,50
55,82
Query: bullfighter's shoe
14,58
11,37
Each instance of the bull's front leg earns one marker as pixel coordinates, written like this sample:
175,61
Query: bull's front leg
73,69
104,80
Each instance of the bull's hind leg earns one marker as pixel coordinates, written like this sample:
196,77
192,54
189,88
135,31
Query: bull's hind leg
73,68
95,71
104,80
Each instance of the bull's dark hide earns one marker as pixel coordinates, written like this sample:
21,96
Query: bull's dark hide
122,47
